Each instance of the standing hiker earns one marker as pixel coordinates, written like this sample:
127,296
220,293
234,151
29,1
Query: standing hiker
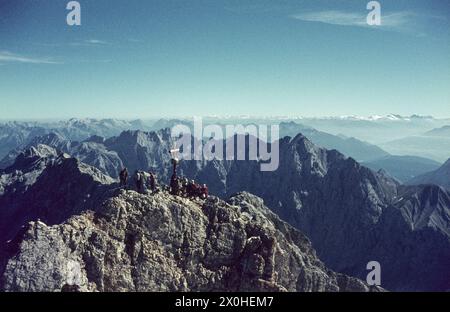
152,181
139,181
123,175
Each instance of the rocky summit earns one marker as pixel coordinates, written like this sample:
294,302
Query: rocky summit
160,242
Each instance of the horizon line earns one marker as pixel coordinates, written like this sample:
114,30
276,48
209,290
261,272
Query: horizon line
373,117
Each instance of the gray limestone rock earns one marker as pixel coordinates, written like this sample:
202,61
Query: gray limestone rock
160,242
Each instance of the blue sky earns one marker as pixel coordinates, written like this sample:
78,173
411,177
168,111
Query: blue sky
180,58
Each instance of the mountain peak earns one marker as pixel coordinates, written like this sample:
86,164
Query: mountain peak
446,164
304,145
40,150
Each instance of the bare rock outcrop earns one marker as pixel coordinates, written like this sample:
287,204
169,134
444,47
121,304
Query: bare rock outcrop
160,242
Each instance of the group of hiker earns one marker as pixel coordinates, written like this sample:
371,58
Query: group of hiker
180,186
142,180
187,188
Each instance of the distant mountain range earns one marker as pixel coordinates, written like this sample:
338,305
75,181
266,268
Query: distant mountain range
440,176
15,135
427,146
359,150
85,139
91,151
441,132
374,129
377,129
403,168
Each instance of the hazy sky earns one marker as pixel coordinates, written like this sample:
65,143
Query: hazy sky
136,58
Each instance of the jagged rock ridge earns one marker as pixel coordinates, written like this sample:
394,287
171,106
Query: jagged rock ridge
160,242
48,185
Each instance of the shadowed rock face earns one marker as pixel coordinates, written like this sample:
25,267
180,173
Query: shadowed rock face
47,185
136,242
415,231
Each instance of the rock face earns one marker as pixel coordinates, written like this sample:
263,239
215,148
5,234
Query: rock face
440,176
159,242
143,150
415,231
47,185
